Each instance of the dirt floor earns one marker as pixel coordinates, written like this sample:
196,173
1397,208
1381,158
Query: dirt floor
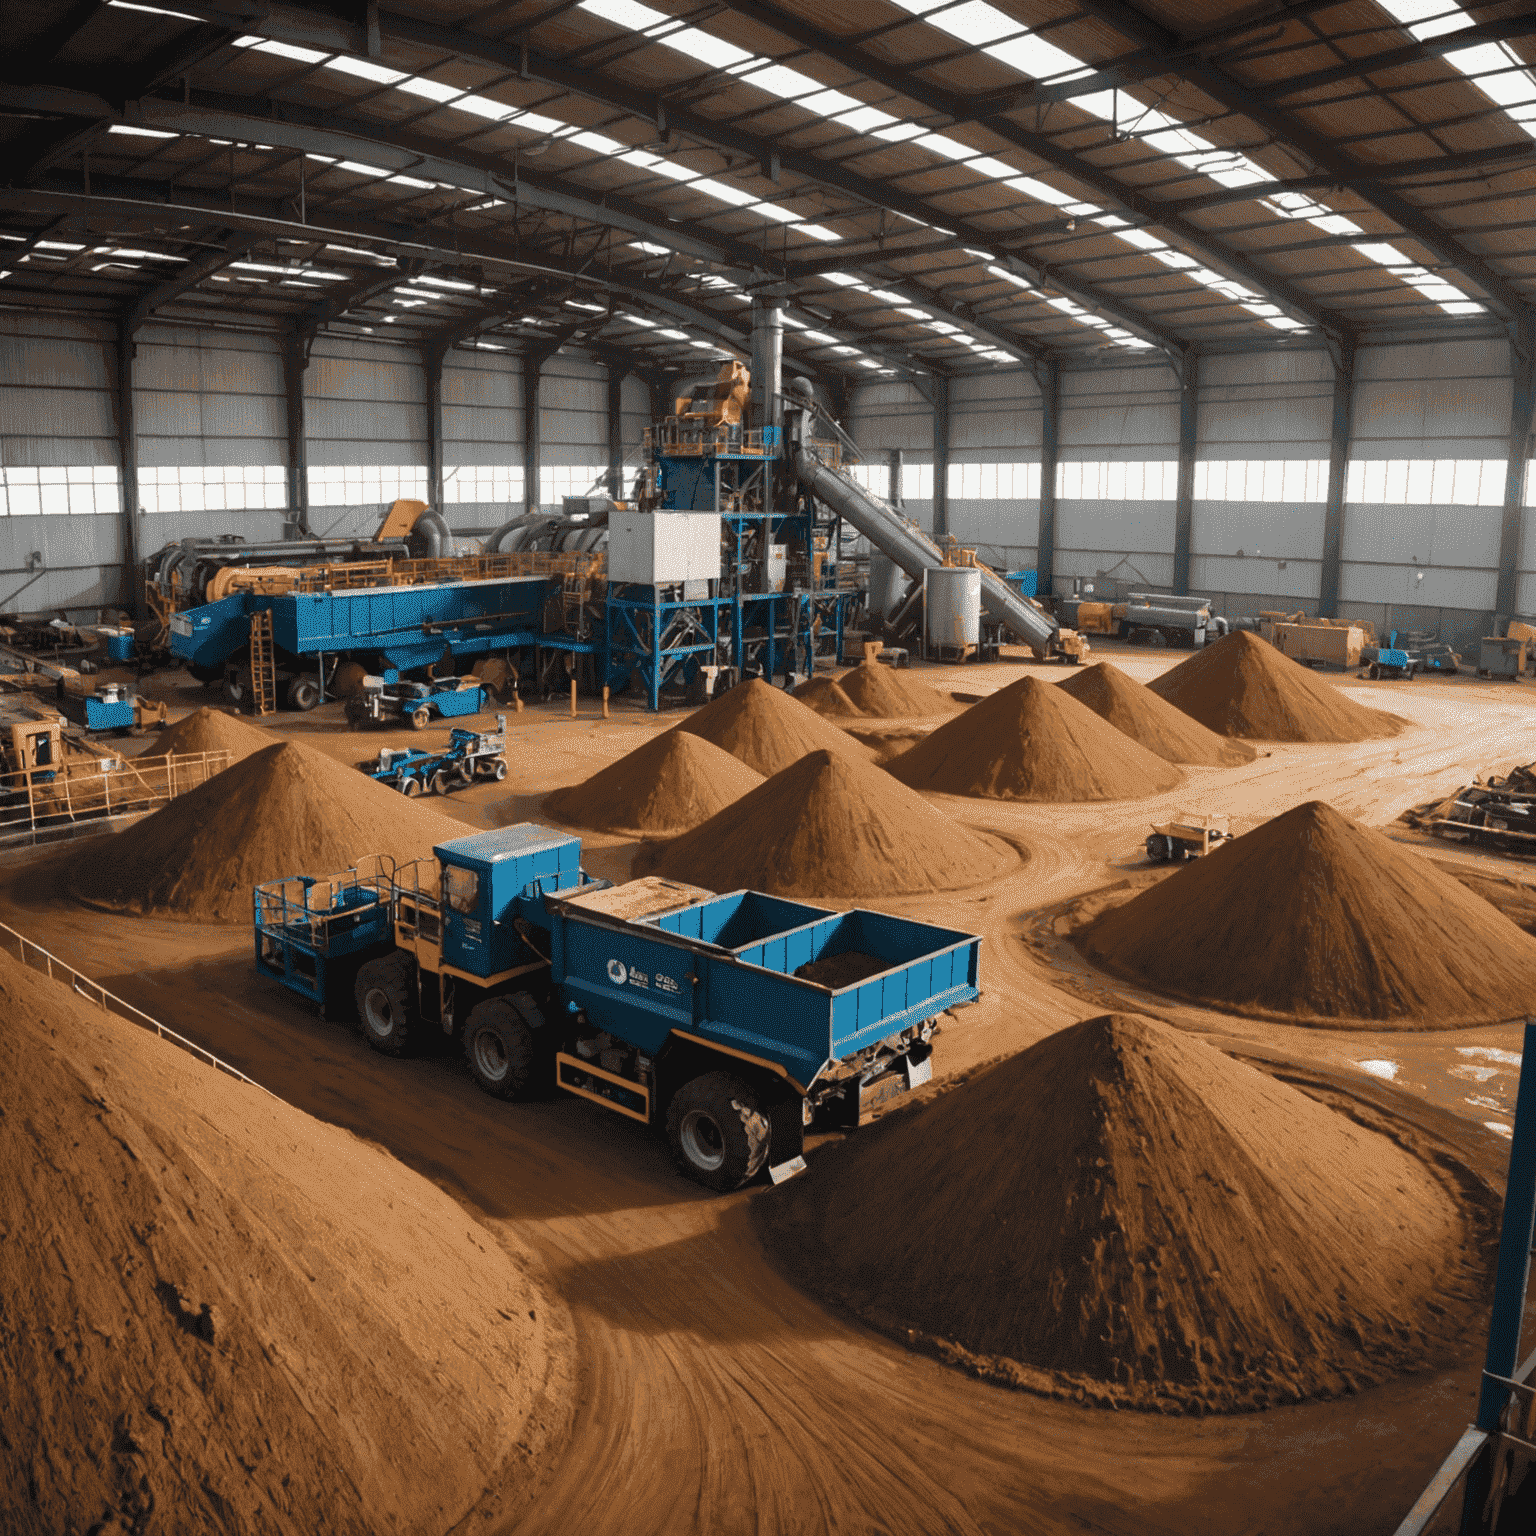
717,1396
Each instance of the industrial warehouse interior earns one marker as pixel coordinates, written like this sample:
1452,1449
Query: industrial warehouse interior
768,768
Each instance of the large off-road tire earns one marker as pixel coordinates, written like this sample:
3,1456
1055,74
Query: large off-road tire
387,1010
421,718
237,688
718,1134
303,693
410,786
502,1046
442,782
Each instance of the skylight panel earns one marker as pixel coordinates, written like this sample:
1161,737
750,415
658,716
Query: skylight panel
640,320
365,69
818,232
673,335
626,13
1494,68
431,90
282,50
138,132
650,248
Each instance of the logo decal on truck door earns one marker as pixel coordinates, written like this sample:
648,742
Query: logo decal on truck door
618,973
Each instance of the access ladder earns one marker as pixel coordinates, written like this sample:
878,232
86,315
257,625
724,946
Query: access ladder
263,672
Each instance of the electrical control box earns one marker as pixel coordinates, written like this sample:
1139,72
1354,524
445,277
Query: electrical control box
657,548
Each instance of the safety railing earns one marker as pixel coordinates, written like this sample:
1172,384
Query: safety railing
36,958
677,437
309,907
51,796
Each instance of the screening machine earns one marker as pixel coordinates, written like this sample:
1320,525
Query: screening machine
730,1021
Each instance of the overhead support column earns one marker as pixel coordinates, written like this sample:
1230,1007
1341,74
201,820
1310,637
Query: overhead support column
940,398
616,375
1522,362
295,363
767,363
1340,435
128,461
432,355
1048,377
533,365
895,471
1187,371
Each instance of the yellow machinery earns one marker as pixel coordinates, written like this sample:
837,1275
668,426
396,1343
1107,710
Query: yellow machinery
1187,836
719,404
1314,642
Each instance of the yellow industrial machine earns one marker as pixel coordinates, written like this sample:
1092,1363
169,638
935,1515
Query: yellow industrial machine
1317,642
719,404
1187,836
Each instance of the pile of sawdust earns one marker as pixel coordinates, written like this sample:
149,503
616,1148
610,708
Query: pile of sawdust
1145,717
286,810
217,1314
829,825
890,694
662,789
1031,741
211,730
1243,686
1314,917
766,729
1123,1212
826,698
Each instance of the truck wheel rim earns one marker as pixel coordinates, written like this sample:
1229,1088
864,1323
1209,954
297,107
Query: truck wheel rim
702,1142
490,1055
377,1014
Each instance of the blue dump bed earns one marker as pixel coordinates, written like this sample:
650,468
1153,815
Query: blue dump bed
722,969
410,625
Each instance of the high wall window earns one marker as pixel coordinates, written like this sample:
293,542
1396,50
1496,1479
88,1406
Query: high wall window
1530,484
917,482
994,482
874,478
77,490
560,480
1261,480
350,485
1133,480
483,482
212,487
1426,482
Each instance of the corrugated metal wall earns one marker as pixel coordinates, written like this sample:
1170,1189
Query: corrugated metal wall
1251,555
482,425
56,409
895,415
1117,415
365,405
995,419
1446,400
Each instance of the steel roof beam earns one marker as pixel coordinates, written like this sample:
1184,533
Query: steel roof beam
1216,253
1294,134
233,246
323,32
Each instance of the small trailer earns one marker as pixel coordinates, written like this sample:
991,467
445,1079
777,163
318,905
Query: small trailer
469,755
729,1022
385,697
1186,837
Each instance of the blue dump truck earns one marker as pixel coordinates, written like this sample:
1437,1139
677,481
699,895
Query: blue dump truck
732,1022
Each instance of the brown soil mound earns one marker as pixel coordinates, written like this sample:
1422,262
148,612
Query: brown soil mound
217,1314
1312,915
1243,686
287,810
211,730
1152,721
829,825
826,698
1124,1212
766,728
662,789
1031,741
892,695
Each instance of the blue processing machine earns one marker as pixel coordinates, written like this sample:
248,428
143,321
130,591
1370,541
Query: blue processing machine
730,1021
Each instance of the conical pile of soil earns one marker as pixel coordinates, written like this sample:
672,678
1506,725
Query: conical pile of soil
662,789
892,695
767,729
1312,916
218,1314
1125,1213
826,698
1152,721
1243,686
211,730
286,810
829,825
1031,741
